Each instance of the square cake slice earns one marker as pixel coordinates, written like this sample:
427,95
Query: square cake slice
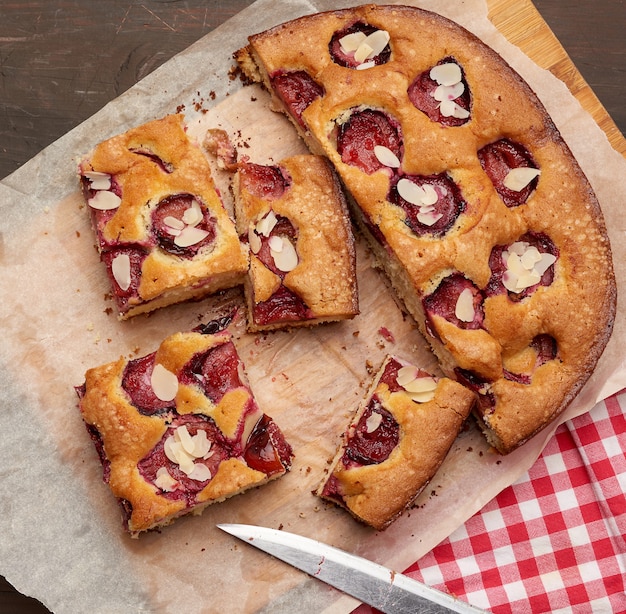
179,429
162,230
294,218
397,440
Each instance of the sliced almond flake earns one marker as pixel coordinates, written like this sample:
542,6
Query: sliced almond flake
162,471
519,247
164,383
185,462
287,258
410,191
266,225
200,473
193,214
509,281
529,279
430,194
421,384
276,244
376,41
173,223
429,219
518,178
517,283
530,257
460,112
373,422
172,449
446,74
164,480
254,241
98,180
464,309
449,92
363,52
385,156
366,65
514,265
547,260
104,201
421,196
406,374
422,397
190,235
350,42
120,267
201,444
185,439
449,108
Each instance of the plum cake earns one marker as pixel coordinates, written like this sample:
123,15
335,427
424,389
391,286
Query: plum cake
294,218
396,441
470,199
179,429
162,230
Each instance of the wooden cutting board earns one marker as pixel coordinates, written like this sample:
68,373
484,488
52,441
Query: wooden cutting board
523,26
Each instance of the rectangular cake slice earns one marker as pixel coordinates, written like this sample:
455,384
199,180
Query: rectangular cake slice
179,429
396,441
294,218
162,230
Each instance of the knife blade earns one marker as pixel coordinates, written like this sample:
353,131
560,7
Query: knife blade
373,584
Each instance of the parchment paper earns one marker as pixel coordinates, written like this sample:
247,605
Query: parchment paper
61,533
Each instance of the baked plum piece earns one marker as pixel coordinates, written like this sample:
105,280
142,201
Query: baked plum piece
360,46
182,225
442,93
520,268
511,169
179,429
457,300
541,350
360,136
297,90
396,441
432,203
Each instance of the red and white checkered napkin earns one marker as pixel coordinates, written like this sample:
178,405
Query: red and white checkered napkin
555,541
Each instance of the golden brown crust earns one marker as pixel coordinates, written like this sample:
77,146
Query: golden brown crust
377,494
128,436
577,309
325,277
166,278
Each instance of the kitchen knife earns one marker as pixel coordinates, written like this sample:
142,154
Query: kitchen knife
371,583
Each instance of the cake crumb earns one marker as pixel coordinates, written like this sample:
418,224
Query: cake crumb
386,334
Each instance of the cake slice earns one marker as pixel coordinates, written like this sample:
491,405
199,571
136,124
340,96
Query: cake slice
179,429
396,441
470,200
294,219
162,231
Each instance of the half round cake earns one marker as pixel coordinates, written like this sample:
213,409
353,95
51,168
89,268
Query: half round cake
472,202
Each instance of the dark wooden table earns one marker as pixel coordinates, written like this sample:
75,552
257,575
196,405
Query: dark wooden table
62,60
